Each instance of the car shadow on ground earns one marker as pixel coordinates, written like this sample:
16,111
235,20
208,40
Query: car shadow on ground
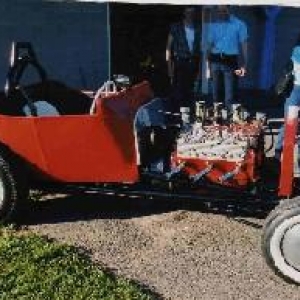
53,209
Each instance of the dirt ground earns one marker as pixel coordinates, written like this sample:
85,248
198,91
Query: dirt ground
179,250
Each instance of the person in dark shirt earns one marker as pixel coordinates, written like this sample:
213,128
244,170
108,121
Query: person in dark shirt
183,58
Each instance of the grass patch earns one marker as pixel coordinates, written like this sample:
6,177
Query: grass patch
32,267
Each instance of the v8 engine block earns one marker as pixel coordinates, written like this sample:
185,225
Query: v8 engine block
228,155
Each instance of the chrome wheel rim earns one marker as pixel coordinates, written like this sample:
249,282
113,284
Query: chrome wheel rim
291,246
282,248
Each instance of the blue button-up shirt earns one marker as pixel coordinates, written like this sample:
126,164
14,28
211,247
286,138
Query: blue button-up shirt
296,64
226,36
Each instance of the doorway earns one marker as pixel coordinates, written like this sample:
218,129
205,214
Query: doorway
138,41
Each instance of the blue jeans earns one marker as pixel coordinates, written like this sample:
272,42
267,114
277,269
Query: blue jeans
230,83
293,100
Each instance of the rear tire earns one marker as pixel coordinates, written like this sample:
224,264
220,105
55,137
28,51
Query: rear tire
281,240
13,190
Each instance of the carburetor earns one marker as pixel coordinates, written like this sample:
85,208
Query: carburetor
223,150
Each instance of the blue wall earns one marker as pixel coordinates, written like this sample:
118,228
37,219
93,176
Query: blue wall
286,32
70,39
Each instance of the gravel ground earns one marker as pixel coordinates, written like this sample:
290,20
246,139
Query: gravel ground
177,250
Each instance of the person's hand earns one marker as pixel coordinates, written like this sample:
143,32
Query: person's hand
240,72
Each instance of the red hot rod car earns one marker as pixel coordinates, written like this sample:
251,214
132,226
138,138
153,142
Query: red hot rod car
58,138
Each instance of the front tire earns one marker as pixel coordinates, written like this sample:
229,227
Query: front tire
281,241
12,190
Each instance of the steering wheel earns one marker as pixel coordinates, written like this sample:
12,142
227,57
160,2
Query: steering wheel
14,75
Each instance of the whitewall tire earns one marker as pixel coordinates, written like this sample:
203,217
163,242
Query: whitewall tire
281,241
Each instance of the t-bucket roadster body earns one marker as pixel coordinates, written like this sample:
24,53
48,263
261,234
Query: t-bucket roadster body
53,134
53,137
79,144
82,147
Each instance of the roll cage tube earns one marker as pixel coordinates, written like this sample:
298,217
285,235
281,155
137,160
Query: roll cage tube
288,159
22,56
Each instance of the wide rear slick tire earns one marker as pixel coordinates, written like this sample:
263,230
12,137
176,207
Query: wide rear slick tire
12,190
281,240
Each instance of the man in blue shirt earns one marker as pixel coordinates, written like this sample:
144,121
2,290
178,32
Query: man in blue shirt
227,53
292,101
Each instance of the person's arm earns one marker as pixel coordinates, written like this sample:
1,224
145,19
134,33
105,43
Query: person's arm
245,54
243,68
169,60
243,36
